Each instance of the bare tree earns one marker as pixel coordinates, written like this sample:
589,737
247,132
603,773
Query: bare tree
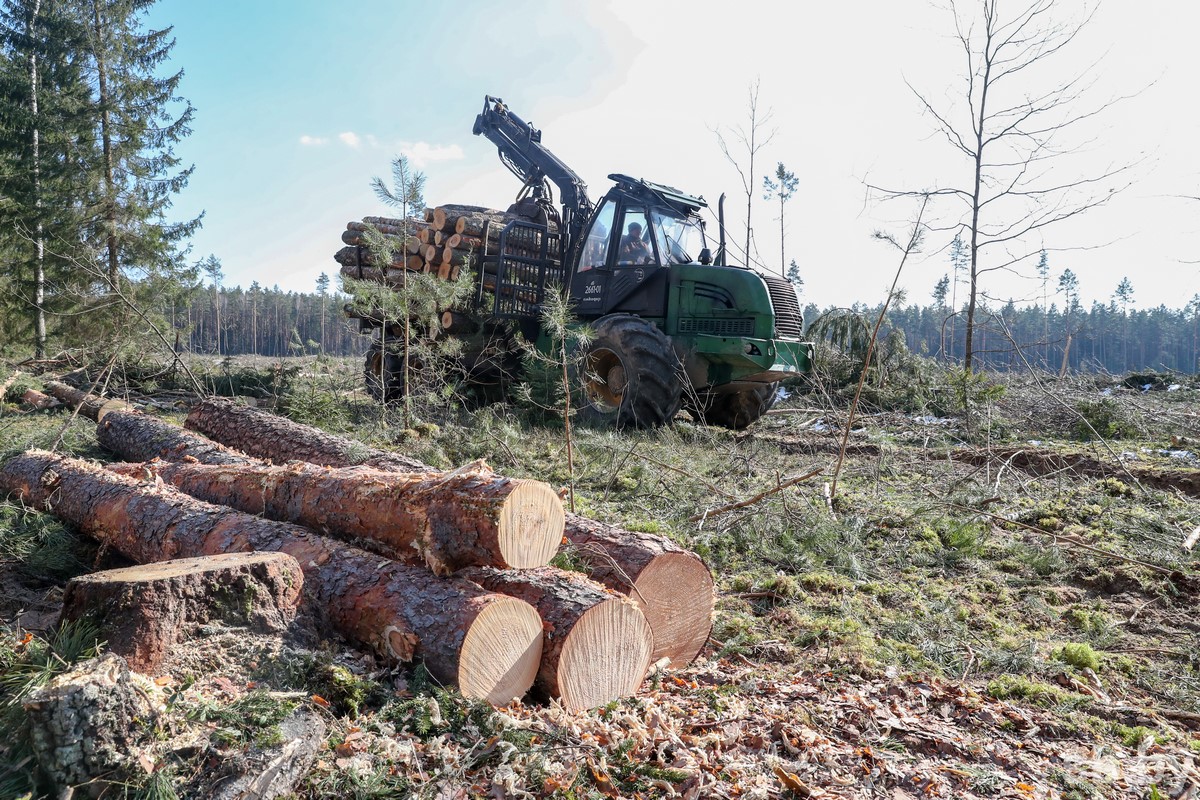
1019,125
751,138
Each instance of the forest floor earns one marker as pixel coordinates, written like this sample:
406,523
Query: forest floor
1003,607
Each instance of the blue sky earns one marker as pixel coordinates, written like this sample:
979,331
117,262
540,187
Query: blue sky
300,104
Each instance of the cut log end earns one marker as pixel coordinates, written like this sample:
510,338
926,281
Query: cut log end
531,525
676,594
501,652
605,656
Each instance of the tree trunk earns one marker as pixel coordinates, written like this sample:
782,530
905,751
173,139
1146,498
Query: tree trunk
445,217
38,401
39,267
459,323
489,644
262,435
90,406
106,141
597,644
672,585
446,521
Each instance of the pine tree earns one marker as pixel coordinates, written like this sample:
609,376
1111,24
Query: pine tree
137,171
782,187
323,291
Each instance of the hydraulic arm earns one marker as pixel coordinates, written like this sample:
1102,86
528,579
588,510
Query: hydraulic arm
521,150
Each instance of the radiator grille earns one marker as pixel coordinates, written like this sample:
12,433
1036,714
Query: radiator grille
717,327
789,321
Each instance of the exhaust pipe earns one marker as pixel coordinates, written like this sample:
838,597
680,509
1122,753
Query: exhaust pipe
721,222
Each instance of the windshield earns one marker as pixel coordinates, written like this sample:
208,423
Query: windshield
679,240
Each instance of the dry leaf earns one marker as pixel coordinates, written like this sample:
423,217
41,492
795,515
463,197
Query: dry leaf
792,782
321,701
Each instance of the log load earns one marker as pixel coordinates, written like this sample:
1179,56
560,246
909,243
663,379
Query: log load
391,275
145,610
487,643
408,243
446,521
673,586
597,645
445,217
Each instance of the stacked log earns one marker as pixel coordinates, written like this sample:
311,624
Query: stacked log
597,645
489,644
673,586
447,521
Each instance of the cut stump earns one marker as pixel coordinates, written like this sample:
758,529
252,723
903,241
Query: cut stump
145,610
88,724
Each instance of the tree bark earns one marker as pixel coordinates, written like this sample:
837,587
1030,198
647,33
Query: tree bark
488,644
445,217
459,323
597,643
672,585
38,401
446,521
264,435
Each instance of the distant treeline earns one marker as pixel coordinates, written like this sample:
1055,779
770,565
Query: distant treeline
272,322
1103,338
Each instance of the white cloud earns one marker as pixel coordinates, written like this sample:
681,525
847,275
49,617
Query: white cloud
350,139
422,153
313,141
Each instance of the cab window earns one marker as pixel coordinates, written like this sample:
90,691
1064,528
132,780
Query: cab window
635,245
595,247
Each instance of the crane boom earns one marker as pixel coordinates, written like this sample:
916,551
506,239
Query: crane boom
521,150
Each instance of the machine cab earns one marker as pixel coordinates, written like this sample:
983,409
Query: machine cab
639,230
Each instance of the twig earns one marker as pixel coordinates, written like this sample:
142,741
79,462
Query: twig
913,241
1192,538
756,498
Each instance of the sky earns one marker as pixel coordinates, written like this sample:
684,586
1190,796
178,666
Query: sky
300,104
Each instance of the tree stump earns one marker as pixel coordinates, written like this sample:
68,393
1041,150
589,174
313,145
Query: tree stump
88,724
144,611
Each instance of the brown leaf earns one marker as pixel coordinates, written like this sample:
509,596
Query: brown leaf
792,782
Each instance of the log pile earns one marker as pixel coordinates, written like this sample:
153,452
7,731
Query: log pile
673,586
492,619
487,643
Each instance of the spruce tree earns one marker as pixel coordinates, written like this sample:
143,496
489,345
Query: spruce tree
44,140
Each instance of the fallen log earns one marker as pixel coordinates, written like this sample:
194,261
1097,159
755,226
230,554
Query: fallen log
90,406
597,644
446,521
459,323
140,437
262,435
38,401
489,644
672,585
145,610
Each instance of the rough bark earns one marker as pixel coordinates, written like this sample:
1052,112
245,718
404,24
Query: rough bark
597,643
488,644
394,227
263,435
672,585
276,771
475,224
84,725
140,437
145,610
446,521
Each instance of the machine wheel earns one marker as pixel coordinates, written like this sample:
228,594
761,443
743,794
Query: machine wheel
736,410
630,376
383,374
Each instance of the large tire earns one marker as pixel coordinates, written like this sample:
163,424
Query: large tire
383,374
630,376
736,410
